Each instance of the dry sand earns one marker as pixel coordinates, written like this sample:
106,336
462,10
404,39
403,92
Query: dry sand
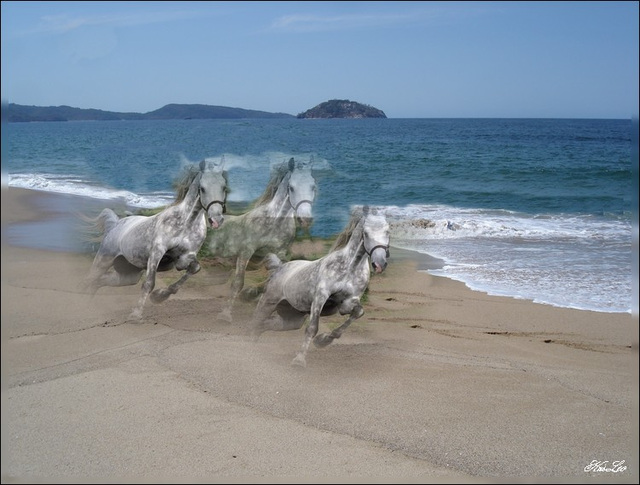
434,384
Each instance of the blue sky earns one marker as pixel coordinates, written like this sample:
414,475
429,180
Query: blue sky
409,59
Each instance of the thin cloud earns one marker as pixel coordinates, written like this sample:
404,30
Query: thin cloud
317,23
61,24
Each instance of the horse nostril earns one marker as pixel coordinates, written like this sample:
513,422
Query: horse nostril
378,268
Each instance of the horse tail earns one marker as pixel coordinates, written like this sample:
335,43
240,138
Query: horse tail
272,262
107,219
94,228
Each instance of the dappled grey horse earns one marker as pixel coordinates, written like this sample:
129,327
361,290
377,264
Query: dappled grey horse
331,284
166,240
270,226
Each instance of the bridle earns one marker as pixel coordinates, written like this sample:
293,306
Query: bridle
386,248
221,202
295,207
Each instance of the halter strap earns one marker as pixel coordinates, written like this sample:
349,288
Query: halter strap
221,202
295,207
382,246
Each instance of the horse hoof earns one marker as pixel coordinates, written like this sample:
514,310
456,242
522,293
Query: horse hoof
299,361
226,316
322,340
158,296
136,315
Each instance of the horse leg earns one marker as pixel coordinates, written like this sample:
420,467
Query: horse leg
290,318
262,319
236,286
101,274
119,279
99,268
286,318
325,339
312,329
160,295
148,284
270,261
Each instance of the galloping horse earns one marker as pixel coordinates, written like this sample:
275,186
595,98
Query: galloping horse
166,240
331,284
270,226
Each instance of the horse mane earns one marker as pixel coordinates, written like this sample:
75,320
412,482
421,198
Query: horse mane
277,175
343,238
181,184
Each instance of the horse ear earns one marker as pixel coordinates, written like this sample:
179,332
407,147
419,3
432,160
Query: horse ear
213,165
292,164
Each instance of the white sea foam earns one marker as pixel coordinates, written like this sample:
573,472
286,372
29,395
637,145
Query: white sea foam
566,261
70,185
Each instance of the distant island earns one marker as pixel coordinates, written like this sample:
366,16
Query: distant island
21,113
336,108
342,108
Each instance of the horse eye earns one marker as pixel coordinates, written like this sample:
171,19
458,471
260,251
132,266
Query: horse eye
202,189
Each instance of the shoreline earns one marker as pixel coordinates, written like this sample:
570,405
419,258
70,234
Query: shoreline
436,383
59,208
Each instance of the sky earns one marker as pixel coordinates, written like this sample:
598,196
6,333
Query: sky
409,59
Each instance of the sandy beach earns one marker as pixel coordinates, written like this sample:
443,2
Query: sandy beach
434,384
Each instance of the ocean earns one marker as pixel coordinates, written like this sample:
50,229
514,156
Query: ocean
538,209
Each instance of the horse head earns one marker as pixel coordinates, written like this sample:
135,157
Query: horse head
213,190
302,191
376,238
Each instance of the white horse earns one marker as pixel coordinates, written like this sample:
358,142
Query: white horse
333,283
166,240
270,226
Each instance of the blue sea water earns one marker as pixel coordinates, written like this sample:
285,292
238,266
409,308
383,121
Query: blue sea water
539,209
